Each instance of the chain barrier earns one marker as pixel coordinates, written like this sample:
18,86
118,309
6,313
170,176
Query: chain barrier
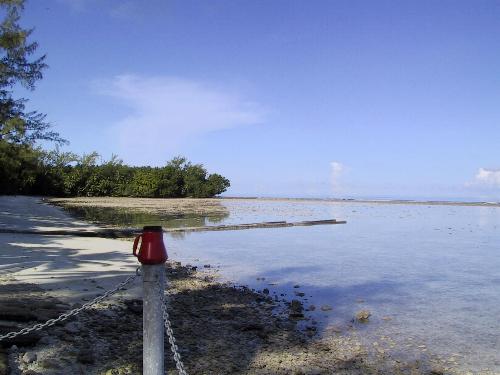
170,333
63,317
86,306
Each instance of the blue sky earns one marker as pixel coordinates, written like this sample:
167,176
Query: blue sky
285,98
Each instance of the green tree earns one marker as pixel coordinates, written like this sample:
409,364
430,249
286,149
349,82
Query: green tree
194,181
19,67
198,185
216,184
81,179
19,128
144,182
18,168
170,181
52,168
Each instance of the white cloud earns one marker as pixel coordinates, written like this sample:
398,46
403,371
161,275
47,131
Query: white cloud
336,171
487,177
166,112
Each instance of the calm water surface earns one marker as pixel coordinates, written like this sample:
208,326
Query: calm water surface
430,275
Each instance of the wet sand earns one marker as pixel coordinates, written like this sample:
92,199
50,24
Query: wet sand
181,206
210,206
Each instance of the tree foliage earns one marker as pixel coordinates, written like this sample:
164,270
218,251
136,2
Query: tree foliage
19,128
58,173
18,66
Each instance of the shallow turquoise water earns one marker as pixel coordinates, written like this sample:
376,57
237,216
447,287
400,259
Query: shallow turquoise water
430,275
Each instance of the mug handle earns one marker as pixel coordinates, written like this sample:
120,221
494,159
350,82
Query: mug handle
136,242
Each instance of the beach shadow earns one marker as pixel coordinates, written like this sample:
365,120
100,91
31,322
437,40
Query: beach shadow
220,329
72,268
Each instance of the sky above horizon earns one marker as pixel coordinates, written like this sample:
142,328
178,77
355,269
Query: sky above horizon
285,98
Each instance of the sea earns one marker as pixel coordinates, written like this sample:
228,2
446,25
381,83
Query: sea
428,274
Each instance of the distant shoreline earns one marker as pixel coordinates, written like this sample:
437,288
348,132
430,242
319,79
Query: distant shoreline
373,201
192,205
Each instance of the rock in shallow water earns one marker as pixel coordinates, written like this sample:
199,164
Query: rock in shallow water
363,315
296,306
296,309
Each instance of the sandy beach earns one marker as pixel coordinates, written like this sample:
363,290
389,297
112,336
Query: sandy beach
62,264
221,328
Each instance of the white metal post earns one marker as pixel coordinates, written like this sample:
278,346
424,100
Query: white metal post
152,317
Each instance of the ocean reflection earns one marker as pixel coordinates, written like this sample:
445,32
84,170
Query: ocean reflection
126,217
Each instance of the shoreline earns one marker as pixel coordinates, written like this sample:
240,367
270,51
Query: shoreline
221,329
374,201
209,205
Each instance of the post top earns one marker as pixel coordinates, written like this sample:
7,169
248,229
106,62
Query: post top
152,228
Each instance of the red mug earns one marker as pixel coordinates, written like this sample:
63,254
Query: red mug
152,249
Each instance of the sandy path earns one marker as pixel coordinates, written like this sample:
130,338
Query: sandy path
73,268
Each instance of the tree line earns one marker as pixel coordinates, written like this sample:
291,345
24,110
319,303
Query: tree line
31,171
26,168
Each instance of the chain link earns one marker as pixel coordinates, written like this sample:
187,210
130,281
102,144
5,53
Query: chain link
168,325
63,317
170,333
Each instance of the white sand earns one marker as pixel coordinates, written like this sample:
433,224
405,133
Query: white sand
74,268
